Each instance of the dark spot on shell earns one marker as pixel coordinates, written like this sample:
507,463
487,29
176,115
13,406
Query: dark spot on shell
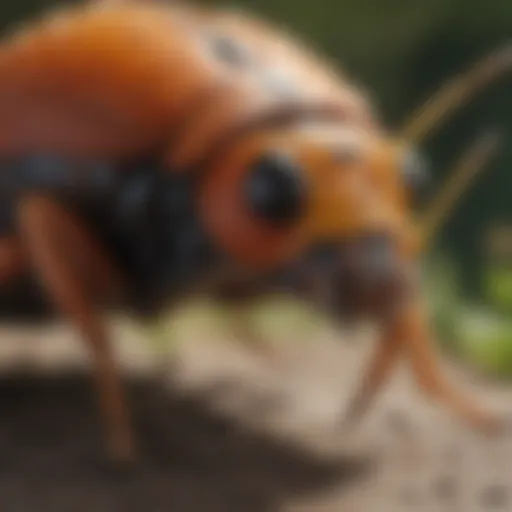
230,51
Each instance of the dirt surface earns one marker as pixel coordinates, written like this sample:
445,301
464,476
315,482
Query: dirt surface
223,431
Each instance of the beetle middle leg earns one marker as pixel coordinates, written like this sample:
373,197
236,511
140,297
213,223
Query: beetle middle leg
53,239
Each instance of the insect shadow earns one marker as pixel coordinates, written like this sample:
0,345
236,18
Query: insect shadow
194,459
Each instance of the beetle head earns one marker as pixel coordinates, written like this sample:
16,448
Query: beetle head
276,194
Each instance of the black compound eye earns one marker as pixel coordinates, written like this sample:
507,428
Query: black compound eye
276,190
416,178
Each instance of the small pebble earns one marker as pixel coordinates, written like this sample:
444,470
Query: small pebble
445,488
495,497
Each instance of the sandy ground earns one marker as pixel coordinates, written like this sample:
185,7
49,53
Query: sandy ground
224,431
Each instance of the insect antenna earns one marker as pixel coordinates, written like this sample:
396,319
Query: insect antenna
465,171
456,92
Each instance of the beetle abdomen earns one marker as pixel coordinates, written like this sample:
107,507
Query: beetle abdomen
100,81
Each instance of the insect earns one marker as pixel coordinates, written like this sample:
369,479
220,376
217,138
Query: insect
238,301
349,297
150,151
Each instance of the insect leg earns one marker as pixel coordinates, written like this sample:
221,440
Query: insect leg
420,351
13,262
409,333
381,365
53,237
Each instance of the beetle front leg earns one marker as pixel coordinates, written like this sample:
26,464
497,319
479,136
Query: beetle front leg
381,365
408,333
53,239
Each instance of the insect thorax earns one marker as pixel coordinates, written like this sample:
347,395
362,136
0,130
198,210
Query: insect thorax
144,217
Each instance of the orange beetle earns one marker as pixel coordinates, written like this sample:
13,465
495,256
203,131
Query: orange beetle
147,148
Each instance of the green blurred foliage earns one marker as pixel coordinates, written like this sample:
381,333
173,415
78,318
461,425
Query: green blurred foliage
499,287
478,334
485,341
401,51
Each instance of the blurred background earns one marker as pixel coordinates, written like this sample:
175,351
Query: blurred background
401,51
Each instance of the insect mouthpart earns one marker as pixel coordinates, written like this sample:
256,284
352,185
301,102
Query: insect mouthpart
370,278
